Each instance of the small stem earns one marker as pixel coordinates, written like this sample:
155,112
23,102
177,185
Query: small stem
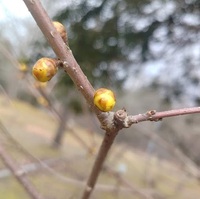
156,116
103,151
176,112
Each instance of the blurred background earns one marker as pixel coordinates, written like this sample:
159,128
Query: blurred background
148,53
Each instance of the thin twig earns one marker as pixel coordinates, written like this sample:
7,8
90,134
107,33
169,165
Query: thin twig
126,120
19,174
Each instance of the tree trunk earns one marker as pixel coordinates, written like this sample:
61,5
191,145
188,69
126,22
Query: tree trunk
60,130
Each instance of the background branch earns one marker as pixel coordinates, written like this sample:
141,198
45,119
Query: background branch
19,174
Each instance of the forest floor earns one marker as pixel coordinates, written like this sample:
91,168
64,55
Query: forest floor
61,173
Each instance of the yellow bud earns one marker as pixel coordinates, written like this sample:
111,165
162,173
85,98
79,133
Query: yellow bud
44,69
23,67
104,99
42,101
62,31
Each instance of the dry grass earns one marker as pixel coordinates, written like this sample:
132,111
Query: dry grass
34,129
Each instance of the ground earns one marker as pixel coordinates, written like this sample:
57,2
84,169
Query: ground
127,173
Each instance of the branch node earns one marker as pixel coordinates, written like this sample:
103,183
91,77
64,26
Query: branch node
148,115
120,119
52,34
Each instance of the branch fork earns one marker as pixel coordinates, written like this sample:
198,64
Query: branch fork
111,122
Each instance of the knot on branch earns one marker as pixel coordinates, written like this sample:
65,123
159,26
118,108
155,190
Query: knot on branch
114,120
120,119
123,120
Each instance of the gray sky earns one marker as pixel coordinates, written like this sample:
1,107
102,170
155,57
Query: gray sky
15,8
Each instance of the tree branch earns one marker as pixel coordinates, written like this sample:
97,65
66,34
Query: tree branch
125,120
19,174
80,80
110,122
103,151
61,50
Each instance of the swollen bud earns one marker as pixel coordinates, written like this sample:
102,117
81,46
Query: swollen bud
104,99
62,31
44,69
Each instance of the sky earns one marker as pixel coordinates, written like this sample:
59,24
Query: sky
18,9
15,8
